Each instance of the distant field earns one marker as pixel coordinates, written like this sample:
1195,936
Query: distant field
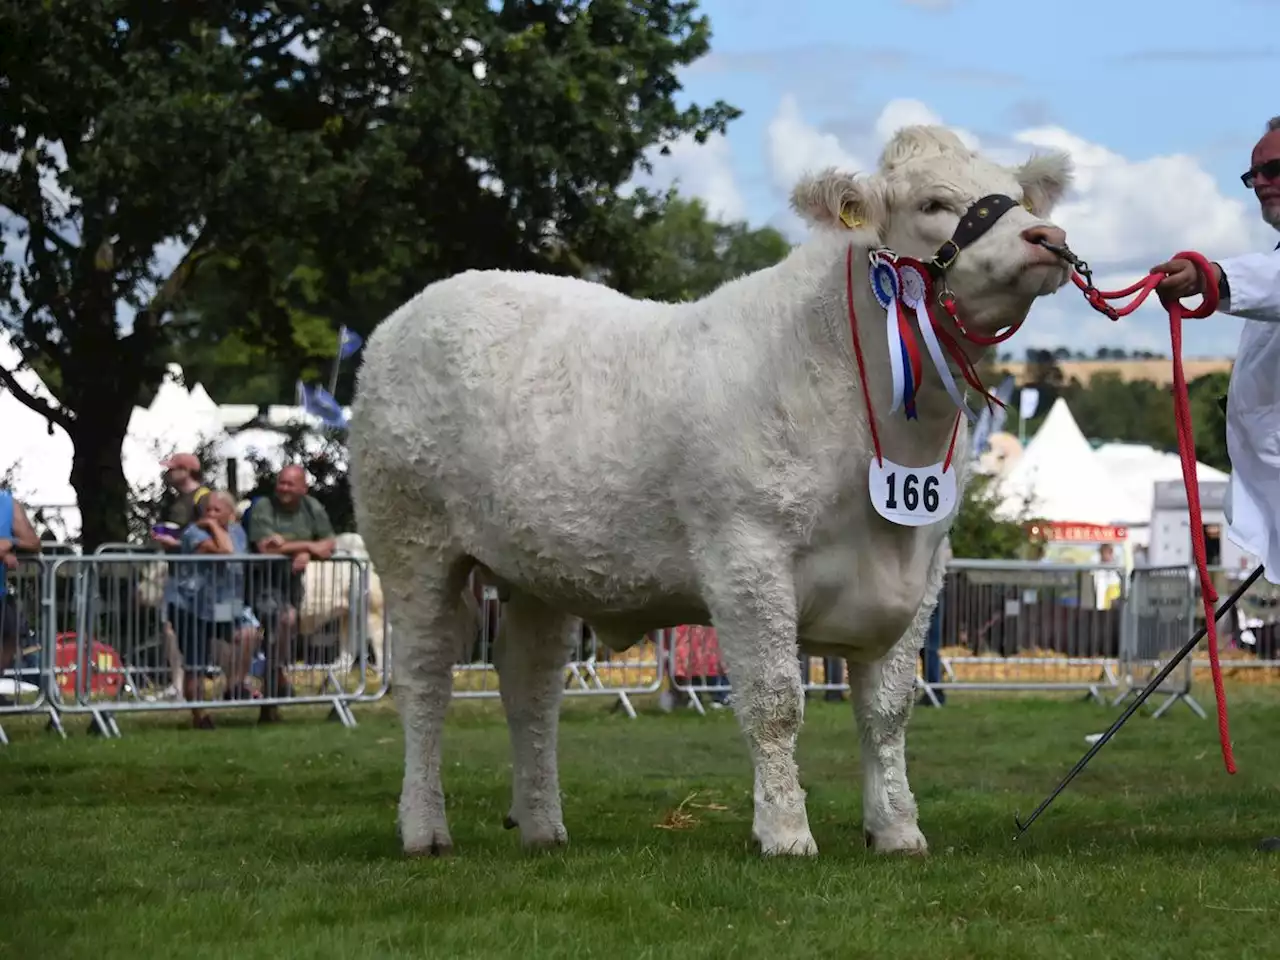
281,842
1158,371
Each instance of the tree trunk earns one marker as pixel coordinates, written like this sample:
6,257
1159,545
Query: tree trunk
97,473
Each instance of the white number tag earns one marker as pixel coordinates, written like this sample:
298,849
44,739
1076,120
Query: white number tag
912,496
223,612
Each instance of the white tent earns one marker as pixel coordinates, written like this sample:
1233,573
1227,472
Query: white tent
1134,469
1059,478
38,455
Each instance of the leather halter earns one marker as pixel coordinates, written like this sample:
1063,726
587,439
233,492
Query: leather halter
977,220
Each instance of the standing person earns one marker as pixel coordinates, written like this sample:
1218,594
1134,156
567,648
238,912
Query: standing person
1249,287
289,523
16,534
184,475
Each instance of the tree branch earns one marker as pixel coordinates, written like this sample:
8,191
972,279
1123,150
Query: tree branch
147,321
34,403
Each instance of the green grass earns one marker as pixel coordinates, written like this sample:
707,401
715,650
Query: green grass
281,841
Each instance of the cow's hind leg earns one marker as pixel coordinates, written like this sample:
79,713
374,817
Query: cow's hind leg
883,693
432,627
532,648
752,603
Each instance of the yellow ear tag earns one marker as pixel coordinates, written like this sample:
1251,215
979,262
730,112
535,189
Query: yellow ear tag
1026,205
851,219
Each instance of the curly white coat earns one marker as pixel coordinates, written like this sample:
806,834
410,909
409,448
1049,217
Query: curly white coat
643,465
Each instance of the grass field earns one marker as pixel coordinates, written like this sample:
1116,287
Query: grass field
281,842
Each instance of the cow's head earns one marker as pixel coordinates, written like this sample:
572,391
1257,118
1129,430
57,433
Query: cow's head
927,182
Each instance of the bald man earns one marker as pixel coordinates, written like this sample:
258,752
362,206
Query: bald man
290,523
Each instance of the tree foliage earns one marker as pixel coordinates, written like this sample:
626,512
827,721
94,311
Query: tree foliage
1109,408
678,253
306,161
978,534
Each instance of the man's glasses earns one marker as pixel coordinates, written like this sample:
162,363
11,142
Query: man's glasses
1270,169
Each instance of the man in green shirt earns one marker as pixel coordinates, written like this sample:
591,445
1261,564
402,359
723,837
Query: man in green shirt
290,523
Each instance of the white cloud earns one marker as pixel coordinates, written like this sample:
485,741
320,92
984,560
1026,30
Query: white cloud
1142,211
697,170
905,113
796,148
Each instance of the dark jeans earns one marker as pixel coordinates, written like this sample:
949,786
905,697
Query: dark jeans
931,653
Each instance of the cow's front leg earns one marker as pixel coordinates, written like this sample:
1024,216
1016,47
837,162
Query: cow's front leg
753,607
883,693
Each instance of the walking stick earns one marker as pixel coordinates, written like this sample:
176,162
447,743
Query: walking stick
1141,699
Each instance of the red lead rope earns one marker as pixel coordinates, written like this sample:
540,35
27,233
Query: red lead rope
1186,443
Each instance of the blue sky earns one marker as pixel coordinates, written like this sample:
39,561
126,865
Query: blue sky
1159,103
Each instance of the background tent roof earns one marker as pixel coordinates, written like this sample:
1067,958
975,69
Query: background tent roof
1135,468
1061,477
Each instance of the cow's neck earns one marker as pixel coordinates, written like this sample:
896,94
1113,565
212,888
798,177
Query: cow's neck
904,441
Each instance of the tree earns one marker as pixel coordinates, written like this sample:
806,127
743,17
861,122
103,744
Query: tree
681,254
326,152
978,534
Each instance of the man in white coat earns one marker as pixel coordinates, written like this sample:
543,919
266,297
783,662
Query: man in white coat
1249,287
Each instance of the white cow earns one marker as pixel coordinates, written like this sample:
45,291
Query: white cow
643,465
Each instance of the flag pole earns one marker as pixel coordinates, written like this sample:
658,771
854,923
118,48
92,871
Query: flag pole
337,362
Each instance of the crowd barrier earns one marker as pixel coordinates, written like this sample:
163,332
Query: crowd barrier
119,632
128,630
592,670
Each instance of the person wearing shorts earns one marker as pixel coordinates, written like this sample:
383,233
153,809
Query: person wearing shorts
208,601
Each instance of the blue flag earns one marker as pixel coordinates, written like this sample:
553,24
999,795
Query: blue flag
321,404
348,343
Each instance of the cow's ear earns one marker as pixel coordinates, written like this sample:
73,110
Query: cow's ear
1044,179
841,201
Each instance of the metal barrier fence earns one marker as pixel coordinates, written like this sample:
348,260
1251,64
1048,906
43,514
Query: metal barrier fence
1159,618
592,670
127,629
1249,635
1025,626
1029,626
105,634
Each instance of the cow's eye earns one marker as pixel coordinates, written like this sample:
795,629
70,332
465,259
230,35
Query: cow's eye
933,206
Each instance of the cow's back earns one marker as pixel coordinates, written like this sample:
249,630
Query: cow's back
538,421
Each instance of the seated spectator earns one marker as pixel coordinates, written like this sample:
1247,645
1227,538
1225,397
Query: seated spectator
209,615
289,523
16,534
184,475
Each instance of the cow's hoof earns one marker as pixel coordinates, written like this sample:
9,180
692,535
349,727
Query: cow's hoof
436,848
783,845
427,838
547,837
905,840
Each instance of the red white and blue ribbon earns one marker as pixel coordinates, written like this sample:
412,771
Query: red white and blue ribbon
904,352
913,290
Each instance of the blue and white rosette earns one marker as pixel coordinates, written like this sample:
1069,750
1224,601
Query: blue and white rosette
915,294
884,284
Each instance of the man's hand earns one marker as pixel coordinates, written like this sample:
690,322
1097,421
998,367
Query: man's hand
1182,279
10,562
6,545
274,542
300,561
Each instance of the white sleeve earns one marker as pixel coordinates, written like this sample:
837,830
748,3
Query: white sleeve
1254,282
